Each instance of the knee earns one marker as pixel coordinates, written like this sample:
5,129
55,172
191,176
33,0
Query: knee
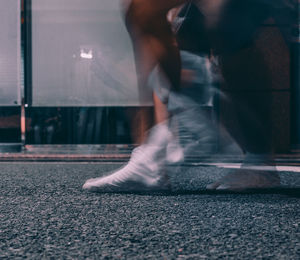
140,14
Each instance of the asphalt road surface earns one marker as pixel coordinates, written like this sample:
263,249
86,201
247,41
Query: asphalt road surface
45,215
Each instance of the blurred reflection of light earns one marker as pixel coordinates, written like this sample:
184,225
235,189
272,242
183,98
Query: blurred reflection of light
86,55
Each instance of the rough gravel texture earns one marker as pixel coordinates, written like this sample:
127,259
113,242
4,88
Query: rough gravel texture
45,215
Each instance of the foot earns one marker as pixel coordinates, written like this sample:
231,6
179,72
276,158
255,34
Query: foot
128,180
245,179
139,175
144,172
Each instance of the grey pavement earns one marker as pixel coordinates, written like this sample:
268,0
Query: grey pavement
45,215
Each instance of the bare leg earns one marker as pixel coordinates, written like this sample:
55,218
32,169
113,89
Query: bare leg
143,118
153,39
160,110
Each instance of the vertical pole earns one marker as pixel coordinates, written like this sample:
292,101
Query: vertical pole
295,83
26,95
22,89
23,124
27,43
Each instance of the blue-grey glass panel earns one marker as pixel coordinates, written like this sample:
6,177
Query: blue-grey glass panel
10,45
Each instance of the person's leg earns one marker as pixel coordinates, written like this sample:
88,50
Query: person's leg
146,169
153,40
248,82
154,44
160,110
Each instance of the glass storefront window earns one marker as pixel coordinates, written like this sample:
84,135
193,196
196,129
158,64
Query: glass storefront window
82,55
81,84
10,54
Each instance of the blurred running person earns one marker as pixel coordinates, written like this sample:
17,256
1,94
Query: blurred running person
224,29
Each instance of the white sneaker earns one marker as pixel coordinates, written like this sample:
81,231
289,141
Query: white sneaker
144,172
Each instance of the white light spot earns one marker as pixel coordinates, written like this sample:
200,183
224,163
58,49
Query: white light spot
86,55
